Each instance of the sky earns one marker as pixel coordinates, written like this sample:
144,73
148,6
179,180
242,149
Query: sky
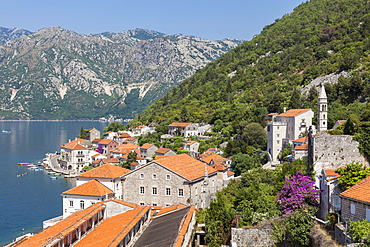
208,19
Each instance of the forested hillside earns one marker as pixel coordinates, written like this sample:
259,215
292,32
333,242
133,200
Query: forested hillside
265,74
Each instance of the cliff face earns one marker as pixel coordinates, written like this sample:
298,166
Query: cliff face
57,73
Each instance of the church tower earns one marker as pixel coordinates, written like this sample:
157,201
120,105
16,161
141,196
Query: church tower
322,112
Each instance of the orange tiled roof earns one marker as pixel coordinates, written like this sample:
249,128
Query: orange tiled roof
97,140
105,171
62,228
105,141
77,140
331,172
124,135
301,147
146,146
293,112
359,191
211,157
131,138
73,146
128,204
271,114
162,150
169,209
186,166
112,230
160,157
179,124
219,167
302,139
91,188
229,173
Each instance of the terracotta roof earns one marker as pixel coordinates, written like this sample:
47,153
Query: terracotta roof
293,112
140,127
105,141
124,135
73,146
359,191
302,139
229,173
77,140
179,124
112,230
134,164
301,147
62,228
160,157
105,171
340,122
190,142
169,209
271,114
331,172
219,167
209,158
131,138
186,166
162,150
128,204
93,129
91,188
146,146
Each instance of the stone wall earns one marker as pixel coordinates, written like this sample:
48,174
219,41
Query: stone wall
254,237
334,151
360,210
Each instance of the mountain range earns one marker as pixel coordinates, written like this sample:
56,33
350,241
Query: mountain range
56,73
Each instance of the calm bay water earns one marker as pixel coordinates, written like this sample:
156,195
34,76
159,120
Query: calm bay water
28,200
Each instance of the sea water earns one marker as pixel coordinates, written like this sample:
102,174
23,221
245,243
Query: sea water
26,201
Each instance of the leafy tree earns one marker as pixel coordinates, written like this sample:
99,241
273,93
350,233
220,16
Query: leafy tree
360,231
349,127
298,192
294,230
114,127
84,134
218,222
295,99
254,135
363,139
352,174
244,162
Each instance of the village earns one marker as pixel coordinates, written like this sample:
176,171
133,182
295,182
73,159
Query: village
128,194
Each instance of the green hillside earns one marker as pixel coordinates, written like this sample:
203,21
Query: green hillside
265,74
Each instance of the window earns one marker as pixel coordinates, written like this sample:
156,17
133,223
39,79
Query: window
154,191
168,177
142,204
353,208
168,191
142,190
167,204
82,204
71,203
154,176
154,204
368,214
181,192
141,175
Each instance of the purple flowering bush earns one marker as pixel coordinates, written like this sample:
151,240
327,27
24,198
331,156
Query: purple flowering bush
99,149
298,192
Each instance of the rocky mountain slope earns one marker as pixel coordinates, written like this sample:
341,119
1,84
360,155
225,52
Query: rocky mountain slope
7,34
59,74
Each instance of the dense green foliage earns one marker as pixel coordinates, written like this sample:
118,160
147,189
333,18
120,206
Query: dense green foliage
360,231
263,75
363,138
351,175
247,201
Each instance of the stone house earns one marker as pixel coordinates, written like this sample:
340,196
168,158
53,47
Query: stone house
107,145
147,150
191,146
142,130
109,175
100,162
329,196
300,151
84,195
131,139
188,129
122,136
172,180
164,152
94,134
124,149
355,202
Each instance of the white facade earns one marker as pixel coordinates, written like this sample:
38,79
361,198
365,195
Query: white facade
74,203
114,184
288,126
276,132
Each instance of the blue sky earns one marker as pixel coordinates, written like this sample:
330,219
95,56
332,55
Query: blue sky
208,19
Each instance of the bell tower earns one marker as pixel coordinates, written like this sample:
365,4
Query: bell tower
322,111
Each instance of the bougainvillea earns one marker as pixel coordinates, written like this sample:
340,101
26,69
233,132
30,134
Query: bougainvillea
99,149
298,192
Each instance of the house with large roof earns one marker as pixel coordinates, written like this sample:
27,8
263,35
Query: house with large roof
85,195
329,196
118,223
147,150
164,152
109,175
188,129
285,128
355,202
172,180
75,155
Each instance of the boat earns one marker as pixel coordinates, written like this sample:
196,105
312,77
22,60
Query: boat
23,164
51,173
6,132
53,177
39,169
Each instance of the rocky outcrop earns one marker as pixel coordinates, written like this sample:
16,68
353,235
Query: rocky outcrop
57,73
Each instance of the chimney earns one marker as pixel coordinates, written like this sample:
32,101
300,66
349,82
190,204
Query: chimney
284,109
